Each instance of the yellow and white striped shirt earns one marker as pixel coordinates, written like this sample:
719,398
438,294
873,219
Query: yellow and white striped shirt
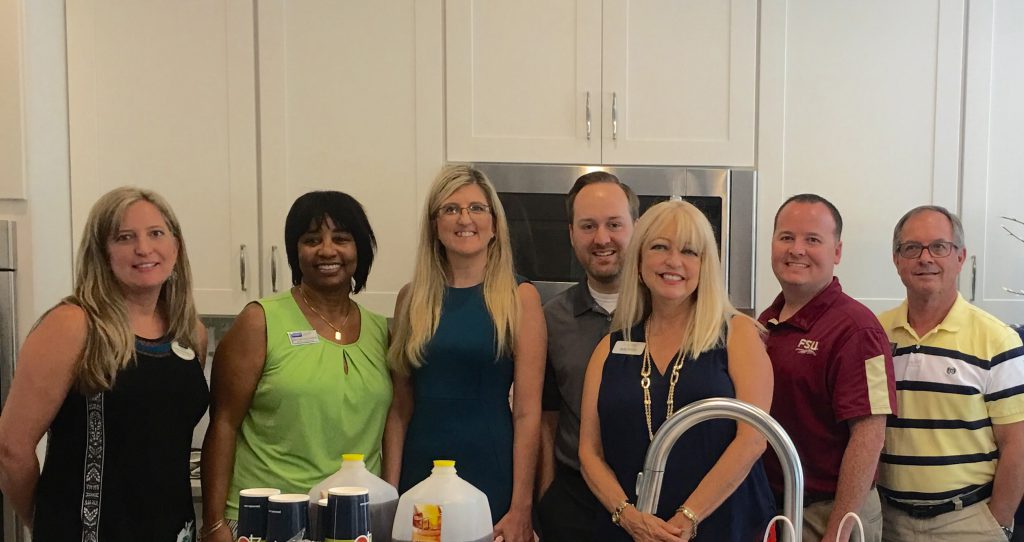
952,385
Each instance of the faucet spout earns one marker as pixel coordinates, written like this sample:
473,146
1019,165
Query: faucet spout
650,480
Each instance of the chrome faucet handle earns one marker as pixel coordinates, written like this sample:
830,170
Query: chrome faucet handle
649,481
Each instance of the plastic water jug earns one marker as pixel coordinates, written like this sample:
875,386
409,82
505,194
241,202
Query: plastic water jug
383,496
443,508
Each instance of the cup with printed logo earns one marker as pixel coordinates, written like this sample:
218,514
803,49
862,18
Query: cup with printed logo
252,511
287,517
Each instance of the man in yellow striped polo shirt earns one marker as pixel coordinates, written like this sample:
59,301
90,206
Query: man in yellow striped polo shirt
953,463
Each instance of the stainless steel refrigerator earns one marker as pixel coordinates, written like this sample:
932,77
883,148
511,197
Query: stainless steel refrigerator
10,526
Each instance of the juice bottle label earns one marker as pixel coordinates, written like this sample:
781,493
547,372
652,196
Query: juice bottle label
426,523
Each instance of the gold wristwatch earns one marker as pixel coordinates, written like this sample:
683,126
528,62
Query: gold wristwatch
690,516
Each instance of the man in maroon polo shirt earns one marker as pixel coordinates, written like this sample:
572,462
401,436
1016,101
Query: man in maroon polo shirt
834,379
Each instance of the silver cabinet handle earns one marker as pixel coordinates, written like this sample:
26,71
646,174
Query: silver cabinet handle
241,266
588,116
615,116
974,275
273,268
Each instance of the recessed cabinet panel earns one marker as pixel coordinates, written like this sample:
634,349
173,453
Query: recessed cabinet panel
993,161
339,110
679,82
524,80
860,103
162,96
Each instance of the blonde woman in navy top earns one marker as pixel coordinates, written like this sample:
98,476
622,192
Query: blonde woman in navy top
676,339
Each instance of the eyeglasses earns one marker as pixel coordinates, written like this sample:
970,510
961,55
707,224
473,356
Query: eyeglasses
938,249
453,210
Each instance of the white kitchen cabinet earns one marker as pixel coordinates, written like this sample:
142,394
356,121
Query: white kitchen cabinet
682,79
993,162
162,96
523,81
859,102
12,142
666,82
351,100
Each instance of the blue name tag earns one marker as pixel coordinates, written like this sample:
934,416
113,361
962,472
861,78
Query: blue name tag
299,338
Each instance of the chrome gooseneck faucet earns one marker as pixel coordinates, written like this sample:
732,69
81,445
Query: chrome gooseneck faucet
648,483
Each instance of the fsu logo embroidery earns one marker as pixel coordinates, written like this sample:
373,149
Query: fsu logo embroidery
807,346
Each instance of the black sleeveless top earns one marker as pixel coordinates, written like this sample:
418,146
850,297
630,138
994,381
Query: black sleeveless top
744,515
116,465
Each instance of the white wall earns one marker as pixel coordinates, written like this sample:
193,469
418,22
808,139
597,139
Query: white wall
12,178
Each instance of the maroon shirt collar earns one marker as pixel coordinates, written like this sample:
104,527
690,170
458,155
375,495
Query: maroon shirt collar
809,313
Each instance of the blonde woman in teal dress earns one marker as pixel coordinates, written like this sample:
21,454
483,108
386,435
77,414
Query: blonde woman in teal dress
301,377
466,329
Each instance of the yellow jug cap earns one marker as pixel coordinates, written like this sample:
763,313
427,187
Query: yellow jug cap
351,457
444,463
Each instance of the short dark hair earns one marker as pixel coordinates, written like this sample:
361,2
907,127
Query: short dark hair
954,221
812,198
310,210
595,177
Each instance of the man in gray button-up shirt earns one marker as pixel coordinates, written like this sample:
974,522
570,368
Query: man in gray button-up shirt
601,213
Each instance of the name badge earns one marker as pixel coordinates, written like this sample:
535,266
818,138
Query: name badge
183,352
299,338
630,348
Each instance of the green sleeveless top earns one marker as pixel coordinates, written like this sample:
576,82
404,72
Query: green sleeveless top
308,408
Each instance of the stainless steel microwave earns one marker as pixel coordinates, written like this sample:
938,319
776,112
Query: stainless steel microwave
533,197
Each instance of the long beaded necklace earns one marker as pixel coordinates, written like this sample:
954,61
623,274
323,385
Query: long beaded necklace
337,329
645,381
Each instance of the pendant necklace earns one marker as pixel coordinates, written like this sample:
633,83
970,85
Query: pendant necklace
645,380
337,329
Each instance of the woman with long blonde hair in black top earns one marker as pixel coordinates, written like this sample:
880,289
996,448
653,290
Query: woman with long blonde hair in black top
114,374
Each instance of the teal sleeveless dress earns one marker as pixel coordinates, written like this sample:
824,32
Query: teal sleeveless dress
461,408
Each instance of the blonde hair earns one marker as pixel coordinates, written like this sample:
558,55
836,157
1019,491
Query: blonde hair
420,311
110,341
707,325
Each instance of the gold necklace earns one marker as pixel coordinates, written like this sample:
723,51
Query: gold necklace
337,329
645,380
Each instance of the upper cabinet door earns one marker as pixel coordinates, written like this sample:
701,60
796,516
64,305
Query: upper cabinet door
679,82
351,100
860,102
523,80
993,161
162,96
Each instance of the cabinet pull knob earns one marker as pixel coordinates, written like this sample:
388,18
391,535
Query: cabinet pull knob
974,275
273,268
615,116
588,116
241,266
